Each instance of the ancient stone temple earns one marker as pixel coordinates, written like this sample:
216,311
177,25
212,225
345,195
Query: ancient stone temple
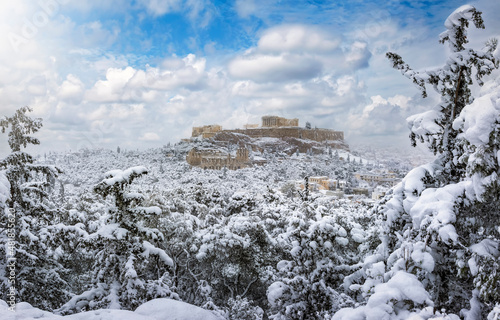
275,121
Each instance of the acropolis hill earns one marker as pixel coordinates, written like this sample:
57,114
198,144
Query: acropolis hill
276,134
274,127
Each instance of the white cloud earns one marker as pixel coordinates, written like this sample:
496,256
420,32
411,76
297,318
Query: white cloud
264,68
245,8
358,55
71,88
111,89
160,7
150,136
298,52
384,119
380,117
297,38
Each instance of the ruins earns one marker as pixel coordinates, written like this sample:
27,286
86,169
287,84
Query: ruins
206,131
272,126
274,121
216,159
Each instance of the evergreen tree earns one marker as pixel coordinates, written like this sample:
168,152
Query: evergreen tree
30,240
439,237
235,259
130,266
435,127
322,247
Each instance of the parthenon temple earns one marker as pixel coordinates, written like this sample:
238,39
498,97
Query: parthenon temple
274,121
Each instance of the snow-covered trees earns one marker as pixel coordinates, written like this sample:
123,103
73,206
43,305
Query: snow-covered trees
231,243
130,267
435,127
30,241
324,245
441,223
235,257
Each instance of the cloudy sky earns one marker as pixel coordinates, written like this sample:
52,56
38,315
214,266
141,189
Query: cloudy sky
141,73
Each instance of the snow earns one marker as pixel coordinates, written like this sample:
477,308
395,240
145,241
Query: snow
168,309
129,266
275,292
422,258
342,241
417,200
435,208
4,188
153,210
473,266
495,313
487,248
81,300
424,123
448,233
463,12
157,309
110,231
358,235
402,286
478,119
119,176
150,249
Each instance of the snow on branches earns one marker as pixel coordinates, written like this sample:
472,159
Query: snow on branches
434,127
440,229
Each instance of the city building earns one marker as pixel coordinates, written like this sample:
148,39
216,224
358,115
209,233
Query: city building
385,178
322,183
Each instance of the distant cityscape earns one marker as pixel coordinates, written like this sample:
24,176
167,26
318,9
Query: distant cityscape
376,182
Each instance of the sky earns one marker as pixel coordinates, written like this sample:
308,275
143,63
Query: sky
140,74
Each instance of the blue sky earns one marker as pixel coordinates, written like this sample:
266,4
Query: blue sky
141,73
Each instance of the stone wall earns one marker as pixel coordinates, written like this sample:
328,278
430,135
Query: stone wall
215,159
206,131
274,127
318,135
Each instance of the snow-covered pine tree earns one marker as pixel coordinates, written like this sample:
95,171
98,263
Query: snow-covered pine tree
33,244
242,309
235,258
130,266
322,246
440,248
452,82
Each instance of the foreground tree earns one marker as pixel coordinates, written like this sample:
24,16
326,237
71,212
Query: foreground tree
30,245
130,267
440,248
